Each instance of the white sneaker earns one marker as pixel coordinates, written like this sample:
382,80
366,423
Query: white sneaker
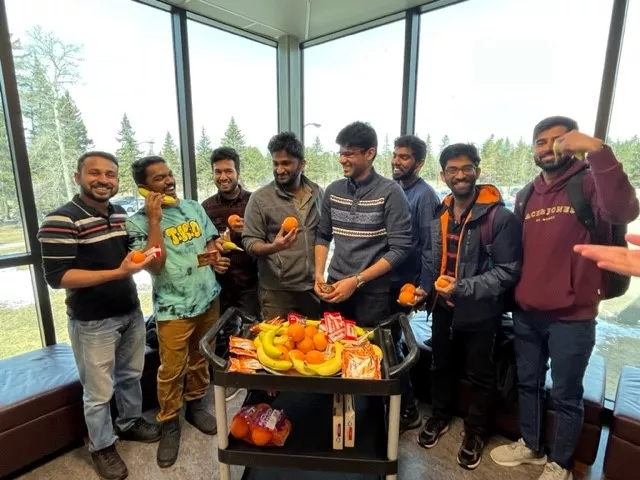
553,471
515,454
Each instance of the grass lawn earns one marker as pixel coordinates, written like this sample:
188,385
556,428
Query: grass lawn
11,239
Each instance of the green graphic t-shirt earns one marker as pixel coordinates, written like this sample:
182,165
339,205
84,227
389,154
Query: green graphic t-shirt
182,290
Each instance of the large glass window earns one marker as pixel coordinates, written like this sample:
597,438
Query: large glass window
235,102
489,71
619,332
358,77
80,90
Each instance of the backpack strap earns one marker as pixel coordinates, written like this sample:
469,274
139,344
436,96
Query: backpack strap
522,197
486,227
583,209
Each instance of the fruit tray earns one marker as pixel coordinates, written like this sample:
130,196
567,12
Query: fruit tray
391,369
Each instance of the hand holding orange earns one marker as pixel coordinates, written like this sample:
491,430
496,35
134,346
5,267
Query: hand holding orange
289,223
407,298
233,220
138,256
442,282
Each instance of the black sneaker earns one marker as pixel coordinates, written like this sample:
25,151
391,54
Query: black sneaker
470,453
169,446
109,464
409,419
142,431
432,431
198,416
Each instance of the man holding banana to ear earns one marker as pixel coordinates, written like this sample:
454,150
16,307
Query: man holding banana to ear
185,297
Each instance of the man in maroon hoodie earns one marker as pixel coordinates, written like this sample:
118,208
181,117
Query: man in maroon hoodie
559,291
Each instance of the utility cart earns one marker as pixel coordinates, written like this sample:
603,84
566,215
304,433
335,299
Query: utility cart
307,402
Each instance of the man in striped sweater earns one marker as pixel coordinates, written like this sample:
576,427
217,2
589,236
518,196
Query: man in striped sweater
367,217
85,250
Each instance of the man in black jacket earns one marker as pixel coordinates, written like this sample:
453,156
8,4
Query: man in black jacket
472,259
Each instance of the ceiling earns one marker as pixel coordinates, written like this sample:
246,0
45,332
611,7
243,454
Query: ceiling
304,19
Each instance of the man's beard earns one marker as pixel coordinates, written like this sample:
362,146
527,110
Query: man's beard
555,166
89,194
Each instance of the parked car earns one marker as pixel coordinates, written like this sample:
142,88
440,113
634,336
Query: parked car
130,204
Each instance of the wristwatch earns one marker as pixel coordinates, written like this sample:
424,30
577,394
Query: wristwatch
361,281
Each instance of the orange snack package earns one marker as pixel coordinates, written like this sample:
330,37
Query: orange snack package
261,425
243,353
242,344
361,362
244,365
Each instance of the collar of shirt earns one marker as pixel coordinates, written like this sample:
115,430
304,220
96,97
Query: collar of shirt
466,211
91,210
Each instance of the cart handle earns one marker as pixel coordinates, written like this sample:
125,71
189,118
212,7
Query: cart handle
207,344
410,338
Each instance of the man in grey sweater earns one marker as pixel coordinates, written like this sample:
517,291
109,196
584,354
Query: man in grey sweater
367,216
285,260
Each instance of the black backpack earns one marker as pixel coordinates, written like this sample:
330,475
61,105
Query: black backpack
615,285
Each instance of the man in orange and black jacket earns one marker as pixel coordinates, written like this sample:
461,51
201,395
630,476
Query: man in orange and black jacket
472,259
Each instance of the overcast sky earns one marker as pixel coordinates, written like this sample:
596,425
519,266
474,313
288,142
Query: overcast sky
486,66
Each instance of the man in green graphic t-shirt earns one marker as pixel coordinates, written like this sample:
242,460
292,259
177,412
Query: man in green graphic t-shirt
185,297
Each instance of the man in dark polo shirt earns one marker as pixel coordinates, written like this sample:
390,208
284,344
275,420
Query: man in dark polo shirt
84,250
240,282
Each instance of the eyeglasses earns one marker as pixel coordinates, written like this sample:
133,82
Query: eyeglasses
453,171
351,153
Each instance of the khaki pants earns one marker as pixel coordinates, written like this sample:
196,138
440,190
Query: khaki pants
179,356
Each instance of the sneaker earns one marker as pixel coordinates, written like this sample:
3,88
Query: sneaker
230,393
428,342
109,464
409,419
515,454
198,416
470,453
432,431
553,471
169,446
142,431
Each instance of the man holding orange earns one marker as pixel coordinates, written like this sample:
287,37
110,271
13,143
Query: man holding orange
279,230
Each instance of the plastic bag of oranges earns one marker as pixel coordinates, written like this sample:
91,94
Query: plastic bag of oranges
261,425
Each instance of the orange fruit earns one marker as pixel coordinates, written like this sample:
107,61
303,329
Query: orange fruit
289,224
260,436
233,219
290,344
320,341
306,345
406,298
408,287
284,350
310,331
239,427
296,332
297,354
314,357
442,282
138,257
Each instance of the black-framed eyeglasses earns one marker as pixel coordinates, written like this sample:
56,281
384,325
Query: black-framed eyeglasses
453,171
351,153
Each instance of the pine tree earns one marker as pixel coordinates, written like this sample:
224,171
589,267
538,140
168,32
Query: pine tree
127,153
233,137
382,162
314,168
254,168
444,143
429,171
171,155
204,174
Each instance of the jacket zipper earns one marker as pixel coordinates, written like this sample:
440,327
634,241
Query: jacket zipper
460,243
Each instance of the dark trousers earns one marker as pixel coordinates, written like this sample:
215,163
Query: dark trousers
569,345
281,302
245,300
367,309
408,399
475,351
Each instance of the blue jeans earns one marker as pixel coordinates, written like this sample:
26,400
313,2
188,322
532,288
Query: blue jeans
569,345
109,354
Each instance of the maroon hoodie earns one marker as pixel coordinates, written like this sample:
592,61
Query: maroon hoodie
556,280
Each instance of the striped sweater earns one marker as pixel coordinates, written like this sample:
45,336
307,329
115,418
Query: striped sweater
367,221
77,236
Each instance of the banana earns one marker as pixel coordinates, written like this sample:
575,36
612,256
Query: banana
166,200
265,327
301,368
269,347
331,366
359,331
378,350
281,339
267,361
557,153
313,323
257,342
231,246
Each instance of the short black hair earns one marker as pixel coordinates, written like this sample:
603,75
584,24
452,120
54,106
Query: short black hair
139,167
359,135
226,153
97,153
556,121
458,150
417,146
288,142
